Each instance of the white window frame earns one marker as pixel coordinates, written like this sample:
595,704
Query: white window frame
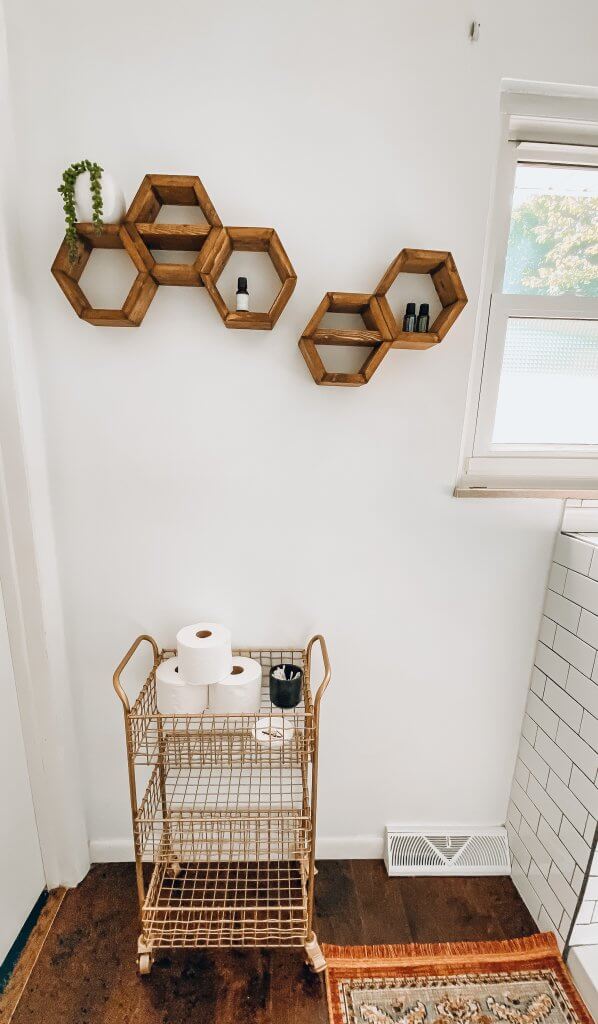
534,129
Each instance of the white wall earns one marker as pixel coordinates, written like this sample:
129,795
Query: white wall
28,557
355,129
21,870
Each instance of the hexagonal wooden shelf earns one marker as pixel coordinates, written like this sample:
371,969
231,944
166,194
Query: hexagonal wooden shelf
449,289
218,251
143,289
379,319
376,336
156,191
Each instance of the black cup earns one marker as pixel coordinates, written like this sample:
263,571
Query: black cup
286,692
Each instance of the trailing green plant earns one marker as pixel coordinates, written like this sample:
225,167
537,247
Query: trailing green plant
67,191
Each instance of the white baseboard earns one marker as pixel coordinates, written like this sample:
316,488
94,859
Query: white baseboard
111,851
116,851
350,847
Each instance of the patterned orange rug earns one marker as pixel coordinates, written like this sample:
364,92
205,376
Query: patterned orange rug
521,981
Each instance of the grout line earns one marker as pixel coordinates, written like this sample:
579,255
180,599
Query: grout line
11,997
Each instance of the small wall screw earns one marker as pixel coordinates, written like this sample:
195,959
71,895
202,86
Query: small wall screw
474,31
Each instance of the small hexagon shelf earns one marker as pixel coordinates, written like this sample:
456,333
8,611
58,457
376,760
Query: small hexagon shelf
449,289
376,336
218,252
156,191
67,274
379,319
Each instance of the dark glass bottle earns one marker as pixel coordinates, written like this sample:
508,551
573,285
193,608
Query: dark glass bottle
423,320
410,319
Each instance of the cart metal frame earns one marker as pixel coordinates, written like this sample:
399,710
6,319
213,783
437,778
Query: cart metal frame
228,816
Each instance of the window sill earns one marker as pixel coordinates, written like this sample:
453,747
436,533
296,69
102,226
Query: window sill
519,491
547,475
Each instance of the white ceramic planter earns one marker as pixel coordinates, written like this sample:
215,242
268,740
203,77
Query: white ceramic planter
112,196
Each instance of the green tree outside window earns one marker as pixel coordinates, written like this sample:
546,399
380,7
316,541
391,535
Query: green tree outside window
553,247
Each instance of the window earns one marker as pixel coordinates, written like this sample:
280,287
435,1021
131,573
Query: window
534,405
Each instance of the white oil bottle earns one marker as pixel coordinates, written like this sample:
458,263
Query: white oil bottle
242,295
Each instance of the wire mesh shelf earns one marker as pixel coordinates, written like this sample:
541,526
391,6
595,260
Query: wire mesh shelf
237,903
209,814
227,816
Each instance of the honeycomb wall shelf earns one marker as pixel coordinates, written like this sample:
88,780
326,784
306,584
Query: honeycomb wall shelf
156,191
381,330
375,336
220,249
447,284
67,274
141,234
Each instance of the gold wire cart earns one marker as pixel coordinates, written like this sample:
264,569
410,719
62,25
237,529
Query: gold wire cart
228,817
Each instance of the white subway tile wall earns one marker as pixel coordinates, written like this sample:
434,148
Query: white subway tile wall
581,516
554,800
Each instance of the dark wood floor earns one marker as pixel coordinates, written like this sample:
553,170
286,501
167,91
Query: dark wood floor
86,971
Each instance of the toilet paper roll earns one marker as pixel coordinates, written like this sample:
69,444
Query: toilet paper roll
205,654
173,695
240,691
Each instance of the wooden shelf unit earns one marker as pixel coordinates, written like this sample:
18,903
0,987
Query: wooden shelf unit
382,331
218,252
67,274
156,191
141,235
447,284
376,336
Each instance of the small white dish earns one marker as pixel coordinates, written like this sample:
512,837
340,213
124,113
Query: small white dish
274,732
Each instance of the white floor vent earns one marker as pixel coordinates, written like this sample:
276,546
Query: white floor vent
429,851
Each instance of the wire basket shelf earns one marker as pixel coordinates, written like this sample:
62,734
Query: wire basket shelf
237,903
218,738
209,814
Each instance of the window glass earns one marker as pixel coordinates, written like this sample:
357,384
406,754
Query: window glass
553,237
548,391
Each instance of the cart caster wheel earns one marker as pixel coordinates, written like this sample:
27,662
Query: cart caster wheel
315,957
144,963
174,869
144,956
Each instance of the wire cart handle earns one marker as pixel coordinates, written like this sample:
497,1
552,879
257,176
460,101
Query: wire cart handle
327,670
116,677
